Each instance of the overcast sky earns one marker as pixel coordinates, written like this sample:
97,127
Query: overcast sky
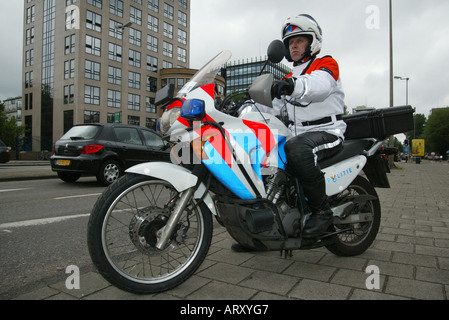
355,32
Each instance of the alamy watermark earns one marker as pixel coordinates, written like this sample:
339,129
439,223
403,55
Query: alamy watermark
373,280
72,17
73,280
372,22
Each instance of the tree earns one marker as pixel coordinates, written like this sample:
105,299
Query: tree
420,122
9,131
436,131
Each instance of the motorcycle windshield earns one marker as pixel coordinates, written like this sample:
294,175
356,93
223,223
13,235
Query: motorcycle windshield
206,74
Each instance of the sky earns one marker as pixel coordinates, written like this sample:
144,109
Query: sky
355,33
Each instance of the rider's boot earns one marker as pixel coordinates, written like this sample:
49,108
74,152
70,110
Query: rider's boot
322,216
317,223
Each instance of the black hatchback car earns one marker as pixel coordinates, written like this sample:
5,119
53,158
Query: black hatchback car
4,152
106,151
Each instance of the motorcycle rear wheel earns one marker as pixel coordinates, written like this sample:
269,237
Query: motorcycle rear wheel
360,236
123,231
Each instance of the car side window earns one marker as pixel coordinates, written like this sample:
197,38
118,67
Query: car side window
152,139
128,135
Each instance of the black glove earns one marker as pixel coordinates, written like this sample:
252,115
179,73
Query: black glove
282,87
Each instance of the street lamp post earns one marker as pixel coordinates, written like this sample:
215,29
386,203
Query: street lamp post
122,27
406,87
406,103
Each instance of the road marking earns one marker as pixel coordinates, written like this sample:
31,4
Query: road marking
38,222
12,190
79,196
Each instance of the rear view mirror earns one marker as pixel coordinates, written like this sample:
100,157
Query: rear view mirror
260,90
276,51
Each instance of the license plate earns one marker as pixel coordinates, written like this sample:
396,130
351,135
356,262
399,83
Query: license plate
63,162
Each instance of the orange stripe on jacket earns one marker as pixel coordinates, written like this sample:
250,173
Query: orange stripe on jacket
327,64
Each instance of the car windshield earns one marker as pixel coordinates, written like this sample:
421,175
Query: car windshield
2,144
207,73
81,133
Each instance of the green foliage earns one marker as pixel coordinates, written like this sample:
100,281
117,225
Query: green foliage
436,131
9,131
420,122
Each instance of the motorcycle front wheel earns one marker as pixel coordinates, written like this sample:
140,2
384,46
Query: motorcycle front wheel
123,231
358,237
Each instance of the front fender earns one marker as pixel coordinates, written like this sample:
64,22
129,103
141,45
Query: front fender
179,177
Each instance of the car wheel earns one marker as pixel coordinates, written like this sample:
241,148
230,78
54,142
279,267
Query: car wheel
109,171
68,177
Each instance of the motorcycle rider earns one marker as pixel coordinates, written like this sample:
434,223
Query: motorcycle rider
314,98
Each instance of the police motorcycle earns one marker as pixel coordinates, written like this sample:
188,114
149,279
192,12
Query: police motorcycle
151,229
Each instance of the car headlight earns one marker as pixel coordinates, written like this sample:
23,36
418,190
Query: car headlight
168,118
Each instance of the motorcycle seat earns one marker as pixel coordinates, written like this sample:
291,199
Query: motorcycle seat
351,148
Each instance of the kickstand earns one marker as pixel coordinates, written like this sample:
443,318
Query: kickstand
287,253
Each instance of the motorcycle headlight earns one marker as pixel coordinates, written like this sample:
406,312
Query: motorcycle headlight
168,118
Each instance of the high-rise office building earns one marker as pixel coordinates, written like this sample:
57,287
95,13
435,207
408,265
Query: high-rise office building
97,61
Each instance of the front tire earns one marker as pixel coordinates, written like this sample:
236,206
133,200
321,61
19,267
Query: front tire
361,235
123,231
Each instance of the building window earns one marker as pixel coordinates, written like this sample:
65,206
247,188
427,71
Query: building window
134,80
93,45
30,36
135,121
152,43
116,7
114,75
151,84
167,64
182,36
151,64
28,79
70,44
168,30
69,69
92,70
153,5
133,102
69,94
115,52
30,14
183,3
180,83
168,11
135,37
91,95
153,23
168,49
115,32
135,15
150,106
134,58
93,21
182,18
29,58
182,55
91,116
114,98
95,3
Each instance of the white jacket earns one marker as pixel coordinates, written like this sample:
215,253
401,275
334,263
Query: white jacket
319,90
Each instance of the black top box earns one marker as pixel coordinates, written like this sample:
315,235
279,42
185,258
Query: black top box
379,123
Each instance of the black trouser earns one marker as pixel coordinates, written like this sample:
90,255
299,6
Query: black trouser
303,153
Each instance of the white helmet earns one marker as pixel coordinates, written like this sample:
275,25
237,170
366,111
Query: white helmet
303,25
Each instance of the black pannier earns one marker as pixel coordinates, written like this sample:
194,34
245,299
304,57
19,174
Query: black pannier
379,123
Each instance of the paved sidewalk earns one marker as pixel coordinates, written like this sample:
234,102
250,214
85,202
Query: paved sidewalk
411,253
26,170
